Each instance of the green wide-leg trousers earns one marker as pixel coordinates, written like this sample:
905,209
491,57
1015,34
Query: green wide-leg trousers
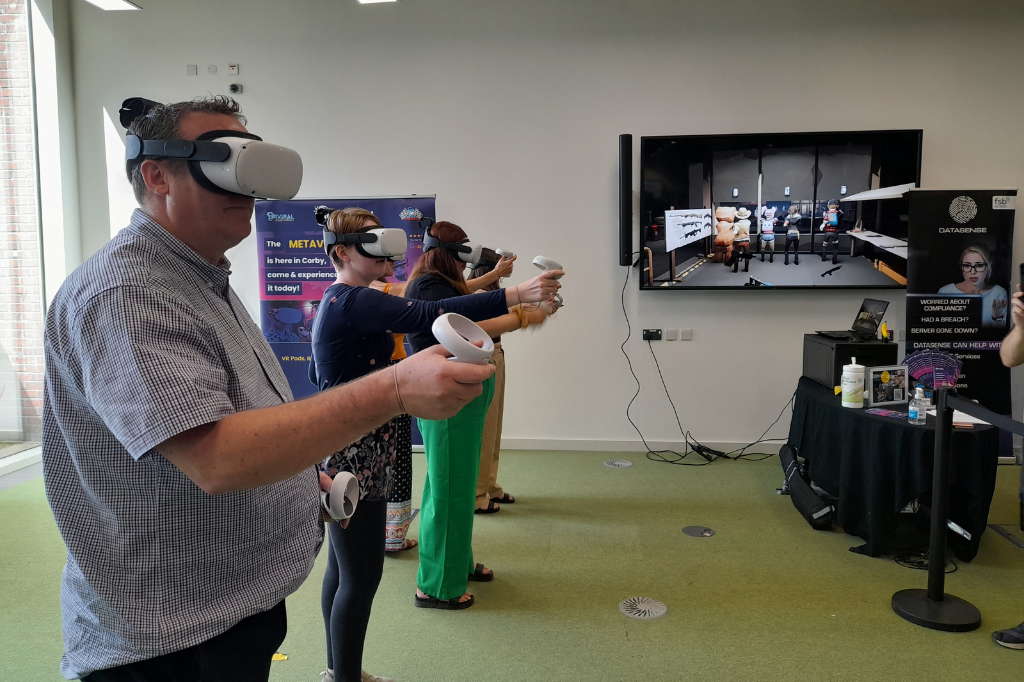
449,497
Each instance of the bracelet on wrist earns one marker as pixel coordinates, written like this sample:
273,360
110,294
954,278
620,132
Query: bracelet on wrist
398,394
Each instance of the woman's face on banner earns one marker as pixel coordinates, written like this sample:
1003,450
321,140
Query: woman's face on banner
974,268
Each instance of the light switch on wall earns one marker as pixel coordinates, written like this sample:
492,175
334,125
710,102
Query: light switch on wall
192,69
686,335
671,334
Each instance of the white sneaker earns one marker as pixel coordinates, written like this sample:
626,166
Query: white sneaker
327,676
367,677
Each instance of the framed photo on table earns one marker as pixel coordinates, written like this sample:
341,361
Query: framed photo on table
886,385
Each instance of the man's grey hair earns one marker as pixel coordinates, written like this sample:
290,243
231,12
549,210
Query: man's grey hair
163,122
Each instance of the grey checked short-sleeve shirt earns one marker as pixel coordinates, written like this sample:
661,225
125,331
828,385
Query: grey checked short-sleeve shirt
145,341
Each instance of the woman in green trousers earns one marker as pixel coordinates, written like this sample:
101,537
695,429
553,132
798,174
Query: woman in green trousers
453,446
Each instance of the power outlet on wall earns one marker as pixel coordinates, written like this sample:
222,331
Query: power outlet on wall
671,334
652,335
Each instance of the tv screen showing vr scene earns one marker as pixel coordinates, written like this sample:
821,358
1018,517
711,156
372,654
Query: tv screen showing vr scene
775,210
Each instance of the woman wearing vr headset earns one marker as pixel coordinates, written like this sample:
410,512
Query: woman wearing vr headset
353,336
453,445
400,497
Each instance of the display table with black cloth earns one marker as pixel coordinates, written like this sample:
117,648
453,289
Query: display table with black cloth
876,465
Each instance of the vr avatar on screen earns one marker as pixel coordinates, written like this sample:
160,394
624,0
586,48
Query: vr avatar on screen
830,225
792,226
767,227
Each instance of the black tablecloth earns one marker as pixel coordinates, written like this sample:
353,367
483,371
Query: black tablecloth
875,466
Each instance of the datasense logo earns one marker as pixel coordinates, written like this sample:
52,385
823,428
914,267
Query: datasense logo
280,217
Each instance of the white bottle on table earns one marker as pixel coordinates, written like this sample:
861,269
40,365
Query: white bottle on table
918,411
852,384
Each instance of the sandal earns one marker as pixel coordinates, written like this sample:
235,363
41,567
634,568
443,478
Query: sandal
492,508
407,544
443,604
479,576
504,499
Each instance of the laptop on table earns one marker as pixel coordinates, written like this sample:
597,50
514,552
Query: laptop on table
865,325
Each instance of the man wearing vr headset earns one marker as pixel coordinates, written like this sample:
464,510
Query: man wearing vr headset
180,473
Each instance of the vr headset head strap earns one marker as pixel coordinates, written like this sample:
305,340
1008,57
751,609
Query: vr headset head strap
431,242
331,239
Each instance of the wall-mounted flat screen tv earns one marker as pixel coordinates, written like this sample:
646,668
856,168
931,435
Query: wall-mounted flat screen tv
775,210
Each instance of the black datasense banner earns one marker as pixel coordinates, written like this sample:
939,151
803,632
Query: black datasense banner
958,284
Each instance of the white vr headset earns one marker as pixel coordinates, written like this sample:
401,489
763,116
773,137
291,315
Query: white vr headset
381,242
222,161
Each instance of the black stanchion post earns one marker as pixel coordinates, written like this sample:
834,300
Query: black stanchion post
933,608
940,498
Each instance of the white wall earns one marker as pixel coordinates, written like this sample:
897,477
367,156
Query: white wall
509,112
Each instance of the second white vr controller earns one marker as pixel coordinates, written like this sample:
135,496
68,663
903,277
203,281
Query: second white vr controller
459,336
341,501
545,264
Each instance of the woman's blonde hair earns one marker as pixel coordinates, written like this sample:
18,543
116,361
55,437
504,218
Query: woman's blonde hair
347,221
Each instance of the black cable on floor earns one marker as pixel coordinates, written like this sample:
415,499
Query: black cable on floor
919,562
691,444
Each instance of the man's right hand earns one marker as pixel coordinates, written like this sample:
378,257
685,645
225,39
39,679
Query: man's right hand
1017,308
434,388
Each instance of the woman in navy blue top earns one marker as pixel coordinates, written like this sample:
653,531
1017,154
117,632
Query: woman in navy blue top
352,337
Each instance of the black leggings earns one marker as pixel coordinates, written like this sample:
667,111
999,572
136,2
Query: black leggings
354,567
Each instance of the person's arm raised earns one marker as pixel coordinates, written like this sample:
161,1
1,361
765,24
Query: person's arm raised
259,447
540,288
514,320
502,269
1012,350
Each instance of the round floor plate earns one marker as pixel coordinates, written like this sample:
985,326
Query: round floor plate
952,614
698,531
643,608
618,463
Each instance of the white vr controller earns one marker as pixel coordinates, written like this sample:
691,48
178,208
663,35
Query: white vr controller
545,264
504,254
341,501
457,334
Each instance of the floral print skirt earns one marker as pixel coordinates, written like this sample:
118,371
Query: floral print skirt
371,459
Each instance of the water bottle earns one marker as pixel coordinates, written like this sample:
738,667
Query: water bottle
918,412
852,384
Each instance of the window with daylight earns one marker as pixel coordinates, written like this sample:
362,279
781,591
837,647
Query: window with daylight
21,290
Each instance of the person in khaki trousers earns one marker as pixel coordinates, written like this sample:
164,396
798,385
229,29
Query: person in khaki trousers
489,495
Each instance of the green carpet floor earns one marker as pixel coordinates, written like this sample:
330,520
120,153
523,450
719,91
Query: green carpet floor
766,599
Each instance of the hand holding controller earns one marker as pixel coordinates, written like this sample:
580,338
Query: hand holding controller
343,497
505,264
546,264
459,335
